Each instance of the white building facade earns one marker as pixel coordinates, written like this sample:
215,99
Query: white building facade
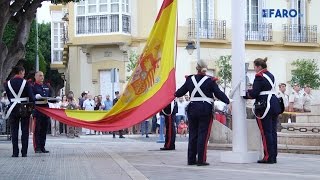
103,33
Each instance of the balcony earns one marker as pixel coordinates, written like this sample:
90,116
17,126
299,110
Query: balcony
258,32
294,33
210,29
103,24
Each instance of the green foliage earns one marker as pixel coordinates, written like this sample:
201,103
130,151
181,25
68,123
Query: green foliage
133,59
306,72
224,73
44,32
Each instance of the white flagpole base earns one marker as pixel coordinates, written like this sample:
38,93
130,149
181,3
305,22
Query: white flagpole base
239,157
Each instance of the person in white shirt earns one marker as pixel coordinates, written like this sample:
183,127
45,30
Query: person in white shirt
296,99
181,114
88,105
307,97
55,123
285,97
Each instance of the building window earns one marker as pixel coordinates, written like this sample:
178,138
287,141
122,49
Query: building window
103,16
57,33
253,14
207,29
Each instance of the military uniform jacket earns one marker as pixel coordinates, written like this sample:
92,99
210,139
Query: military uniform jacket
16,83
208,87
25,97
261,84
44,91
168,110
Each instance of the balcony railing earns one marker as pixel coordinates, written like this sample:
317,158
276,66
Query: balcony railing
210,29
300,33
101,24
258,32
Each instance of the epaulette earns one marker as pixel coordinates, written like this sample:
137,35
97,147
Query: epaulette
186,76
214,78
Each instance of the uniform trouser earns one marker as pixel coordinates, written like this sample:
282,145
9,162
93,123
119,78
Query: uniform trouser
41,128
170,138
14,122
199,133
268,130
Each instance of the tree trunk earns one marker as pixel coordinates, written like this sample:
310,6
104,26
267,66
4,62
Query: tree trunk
24,14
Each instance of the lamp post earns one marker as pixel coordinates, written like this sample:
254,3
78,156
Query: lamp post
190,47
37,45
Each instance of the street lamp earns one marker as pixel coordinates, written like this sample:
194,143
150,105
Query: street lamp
190,48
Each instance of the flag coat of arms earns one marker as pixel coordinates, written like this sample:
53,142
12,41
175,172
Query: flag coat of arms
150,88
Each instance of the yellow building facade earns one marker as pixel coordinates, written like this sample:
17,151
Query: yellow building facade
94,38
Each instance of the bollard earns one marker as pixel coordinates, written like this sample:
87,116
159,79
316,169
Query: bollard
161,134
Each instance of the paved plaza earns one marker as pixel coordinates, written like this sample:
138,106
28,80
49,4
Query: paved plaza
136,157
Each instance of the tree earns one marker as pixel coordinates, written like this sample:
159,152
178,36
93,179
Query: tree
133,59
306,72
224,72
20,14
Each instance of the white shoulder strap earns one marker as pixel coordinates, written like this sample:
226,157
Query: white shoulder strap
20,90
197,86
273,85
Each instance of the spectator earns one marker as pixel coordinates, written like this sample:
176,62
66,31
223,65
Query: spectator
144,128
64,104
114,102
88,105
307,97
183,128
285,97
108,103
181,114
84,96
72,104
296,99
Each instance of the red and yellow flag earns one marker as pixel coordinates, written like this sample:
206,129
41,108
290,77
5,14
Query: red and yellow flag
150,89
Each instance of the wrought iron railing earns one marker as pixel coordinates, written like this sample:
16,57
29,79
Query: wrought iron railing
99,24
258,32
210,29
300,33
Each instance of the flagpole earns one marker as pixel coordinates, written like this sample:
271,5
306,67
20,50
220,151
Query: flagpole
239,153
198,29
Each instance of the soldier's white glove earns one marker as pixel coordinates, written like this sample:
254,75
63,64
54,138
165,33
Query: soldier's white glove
38,96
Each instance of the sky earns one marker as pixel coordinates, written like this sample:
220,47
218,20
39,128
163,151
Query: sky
44,13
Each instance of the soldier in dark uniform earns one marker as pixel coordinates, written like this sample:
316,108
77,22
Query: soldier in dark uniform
200,88
169,113
42,121
267,109
20,95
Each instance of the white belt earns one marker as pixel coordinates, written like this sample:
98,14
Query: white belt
208,100
267,92
19,100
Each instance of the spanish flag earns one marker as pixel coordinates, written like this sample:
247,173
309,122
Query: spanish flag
150,89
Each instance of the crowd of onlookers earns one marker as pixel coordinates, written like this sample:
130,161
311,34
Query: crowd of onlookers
89,102
298,100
